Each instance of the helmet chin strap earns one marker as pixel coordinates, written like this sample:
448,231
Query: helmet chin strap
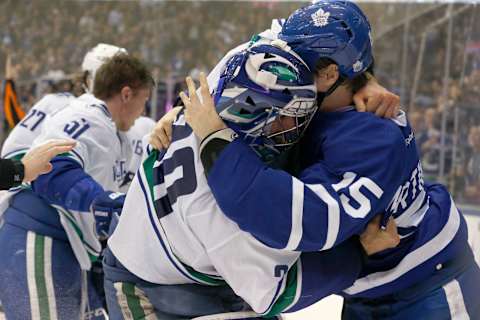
322,95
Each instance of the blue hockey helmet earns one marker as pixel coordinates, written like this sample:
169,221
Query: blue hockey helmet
267,96
337,30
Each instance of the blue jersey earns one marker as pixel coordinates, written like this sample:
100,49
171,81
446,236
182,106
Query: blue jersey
356,166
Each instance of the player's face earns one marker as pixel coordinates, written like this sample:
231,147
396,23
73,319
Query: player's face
134,108
279,125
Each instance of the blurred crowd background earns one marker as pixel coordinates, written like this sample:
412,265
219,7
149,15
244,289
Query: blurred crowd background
428,53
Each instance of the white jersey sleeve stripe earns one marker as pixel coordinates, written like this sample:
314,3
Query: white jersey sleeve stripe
14,153
404,220
75,155
52,303
416,218
454,295
32,284
297,215
414,258
333,214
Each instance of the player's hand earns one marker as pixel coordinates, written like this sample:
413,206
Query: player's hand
376,99
200,112
161,135
104,207
374,239
37,160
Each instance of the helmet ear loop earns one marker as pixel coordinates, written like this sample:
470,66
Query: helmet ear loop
334,87
322,95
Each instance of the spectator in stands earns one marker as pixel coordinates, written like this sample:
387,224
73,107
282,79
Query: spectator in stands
472,189
430,144
37,47
417,121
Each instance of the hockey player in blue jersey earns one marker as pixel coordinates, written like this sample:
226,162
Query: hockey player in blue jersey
354,165
50,235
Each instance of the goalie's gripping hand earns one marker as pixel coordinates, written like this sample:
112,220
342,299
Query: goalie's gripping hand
104,207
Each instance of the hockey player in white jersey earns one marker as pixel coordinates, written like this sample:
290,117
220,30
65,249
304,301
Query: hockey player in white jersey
354,165
142,126
184,248
21,137
50,234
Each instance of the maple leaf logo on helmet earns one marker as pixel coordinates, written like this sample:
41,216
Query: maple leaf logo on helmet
320,18
334,29
357,66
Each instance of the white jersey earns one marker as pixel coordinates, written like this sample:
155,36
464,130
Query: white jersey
21,137
194,242
102,152
172,231
140,128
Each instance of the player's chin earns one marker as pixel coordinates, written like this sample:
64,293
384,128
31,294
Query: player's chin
125,126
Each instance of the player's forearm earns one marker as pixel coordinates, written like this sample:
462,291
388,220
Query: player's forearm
67,185
263,201
273,206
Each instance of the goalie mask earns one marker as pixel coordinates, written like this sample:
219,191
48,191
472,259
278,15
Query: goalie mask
267,95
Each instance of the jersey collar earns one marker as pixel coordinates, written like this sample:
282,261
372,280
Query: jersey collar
95,103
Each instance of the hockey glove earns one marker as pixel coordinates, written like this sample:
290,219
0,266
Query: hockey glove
104,207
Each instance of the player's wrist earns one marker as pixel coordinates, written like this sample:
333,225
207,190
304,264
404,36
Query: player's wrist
224,133
19,172
213,144
206,131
